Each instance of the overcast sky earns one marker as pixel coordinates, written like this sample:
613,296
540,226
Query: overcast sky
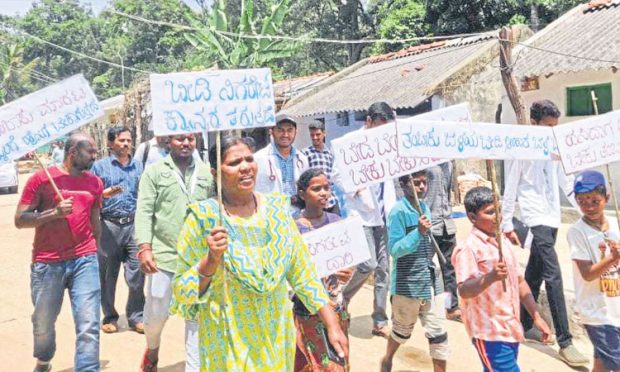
12,7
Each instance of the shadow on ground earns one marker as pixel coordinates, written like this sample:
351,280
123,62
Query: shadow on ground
361,327
102,364
177,367
551,351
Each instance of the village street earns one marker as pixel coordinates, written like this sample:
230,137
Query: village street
122,351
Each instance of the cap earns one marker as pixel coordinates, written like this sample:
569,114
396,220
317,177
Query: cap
281,117
588,181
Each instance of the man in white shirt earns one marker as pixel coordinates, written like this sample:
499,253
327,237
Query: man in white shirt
536,184
373,205
280,164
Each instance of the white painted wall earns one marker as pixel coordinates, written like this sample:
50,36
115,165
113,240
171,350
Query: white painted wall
554,88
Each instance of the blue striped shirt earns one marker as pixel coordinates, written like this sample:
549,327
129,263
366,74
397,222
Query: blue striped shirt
113,173
413,272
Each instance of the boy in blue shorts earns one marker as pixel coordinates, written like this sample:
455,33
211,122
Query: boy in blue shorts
595,250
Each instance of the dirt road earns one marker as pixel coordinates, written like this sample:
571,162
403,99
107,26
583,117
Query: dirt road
122,351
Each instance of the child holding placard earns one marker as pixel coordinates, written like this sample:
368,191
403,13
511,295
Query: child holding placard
595,250
415,280
314,353
490,312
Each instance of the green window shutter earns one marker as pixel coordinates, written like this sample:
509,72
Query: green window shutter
603,93
579,99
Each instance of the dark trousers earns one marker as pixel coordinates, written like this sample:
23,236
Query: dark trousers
543,266
119,246
446,243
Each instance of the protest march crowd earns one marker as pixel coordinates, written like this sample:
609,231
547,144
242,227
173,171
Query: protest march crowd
240,275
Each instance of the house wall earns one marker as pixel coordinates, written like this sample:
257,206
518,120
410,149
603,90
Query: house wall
554,88
484,94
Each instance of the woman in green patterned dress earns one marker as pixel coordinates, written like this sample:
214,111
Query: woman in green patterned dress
236,275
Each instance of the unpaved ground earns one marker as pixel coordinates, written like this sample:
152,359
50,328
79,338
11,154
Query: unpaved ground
122,351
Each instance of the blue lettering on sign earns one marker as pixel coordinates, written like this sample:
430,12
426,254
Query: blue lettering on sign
10,147
32,138
197,91
419,139
248,88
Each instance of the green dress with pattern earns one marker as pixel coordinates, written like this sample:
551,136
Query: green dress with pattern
245,316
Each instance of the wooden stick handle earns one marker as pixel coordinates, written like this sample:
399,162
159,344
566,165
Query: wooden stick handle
418,208
612,190
218,150
498,227
49,176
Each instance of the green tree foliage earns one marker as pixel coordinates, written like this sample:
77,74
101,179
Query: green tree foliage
465,16
401,19
145,46
65,23
213,47
15,74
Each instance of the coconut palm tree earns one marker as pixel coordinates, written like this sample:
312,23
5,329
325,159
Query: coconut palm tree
15,75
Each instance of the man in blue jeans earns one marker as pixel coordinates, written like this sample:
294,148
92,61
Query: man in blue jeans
64,254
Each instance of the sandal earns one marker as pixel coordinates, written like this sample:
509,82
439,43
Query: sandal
382,331
148,365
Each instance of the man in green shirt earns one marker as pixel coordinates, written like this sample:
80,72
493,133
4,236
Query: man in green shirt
167,187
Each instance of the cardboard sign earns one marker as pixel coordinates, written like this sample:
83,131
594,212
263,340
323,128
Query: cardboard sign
589,142
45,115
339,245
370,156
475,141
214,100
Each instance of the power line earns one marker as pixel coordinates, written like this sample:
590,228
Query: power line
80,54
32,73
560,53
303,39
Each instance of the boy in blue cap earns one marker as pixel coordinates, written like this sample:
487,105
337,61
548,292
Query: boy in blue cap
595,250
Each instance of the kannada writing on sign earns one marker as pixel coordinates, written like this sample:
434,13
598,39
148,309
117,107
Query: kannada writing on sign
373,159
212,100
590,142
41,117
337,246
371,156
476,141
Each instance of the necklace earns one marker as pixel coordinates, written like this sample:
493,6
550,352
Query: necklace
255,206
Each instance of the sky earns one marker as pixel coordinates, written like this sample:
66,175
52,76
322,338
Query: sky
12,7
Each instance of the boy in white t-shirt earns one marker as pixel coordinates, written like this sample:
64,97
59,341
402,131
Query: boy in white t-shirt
595,249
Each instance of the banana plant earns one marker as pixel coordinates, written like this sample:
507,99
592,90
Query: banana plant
248,44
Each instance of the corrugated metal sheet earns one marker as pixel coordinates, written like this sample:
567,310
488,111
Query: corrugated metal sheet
290,88
592,32
401,81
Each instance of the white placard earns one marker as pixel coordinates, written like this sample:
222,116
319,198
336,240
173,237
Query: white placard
475,141
589,142
45,115
213,100
367,157
338,245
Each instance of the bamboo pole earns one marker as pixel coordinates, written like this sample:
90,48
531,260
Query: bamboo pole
518,104
498,211
612,190
218,150
49,176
